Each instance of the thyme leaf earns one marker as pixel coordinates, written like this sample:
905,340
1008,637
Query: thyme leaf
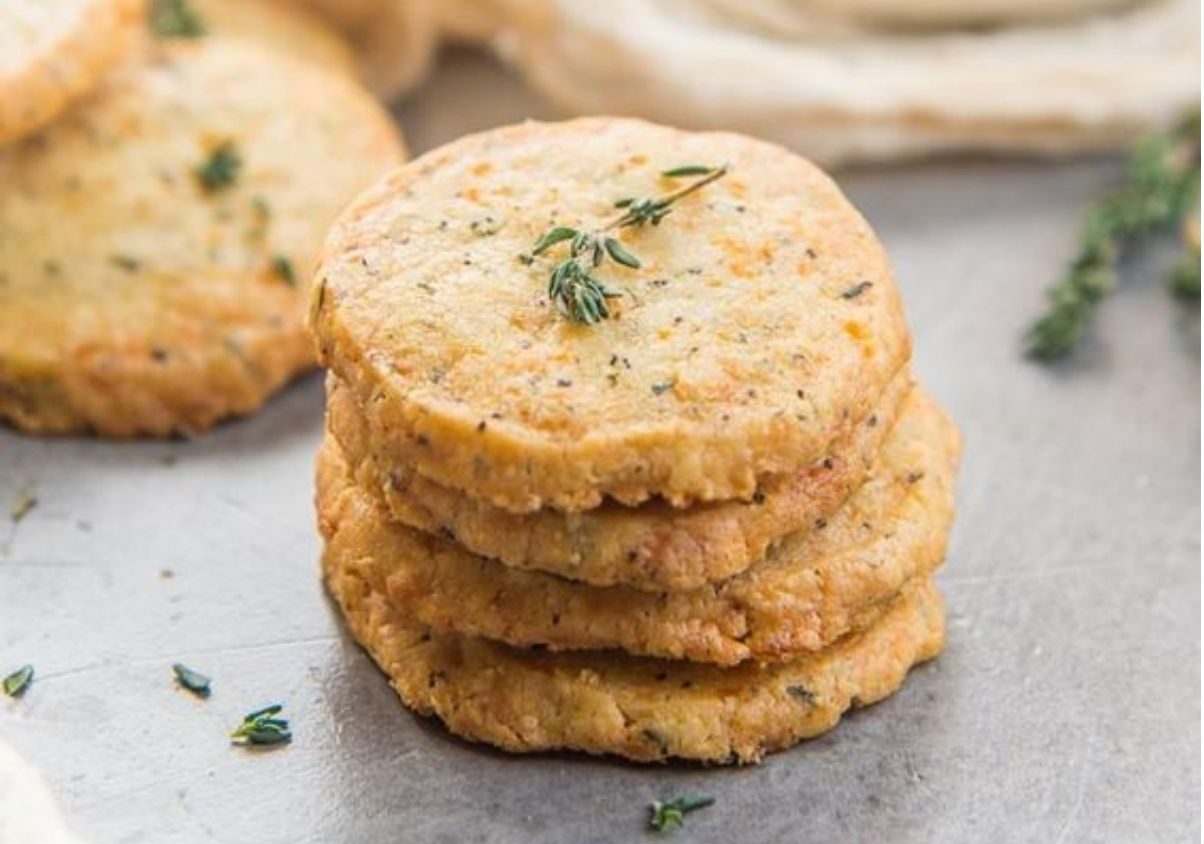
669,814
1185,277
25,502
175,19
193,681
220,170
283,267
16,683
856,290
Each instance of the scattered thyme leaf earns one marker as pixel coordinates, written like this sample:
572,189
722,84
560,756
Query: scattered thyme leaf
572,286
263,727
193,681
26,501
175,19
220,170
1162,187
16,683
261,218
283,267
664,386
856,290
671,813
126,262
687,170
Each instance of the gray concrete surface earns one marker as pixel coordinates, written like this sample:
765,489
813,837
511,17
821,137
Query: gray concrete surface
1065,709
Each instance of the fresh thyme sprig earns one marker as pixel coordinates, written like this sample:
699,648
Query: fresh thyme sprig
1161,189
572,284
665,816
263,727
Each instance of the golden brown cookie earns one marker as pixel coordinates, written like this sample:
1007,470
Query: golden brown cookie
610,703
652,546
281,24
52,52
156,243
815,586
762,325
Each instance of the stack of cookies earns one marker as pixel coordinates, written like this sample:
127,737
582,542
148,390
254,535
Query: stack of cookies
624,453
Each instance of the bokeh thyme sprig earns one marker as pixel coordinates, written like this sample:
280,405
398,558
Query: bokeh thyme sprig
573,286
1185,277
1161,190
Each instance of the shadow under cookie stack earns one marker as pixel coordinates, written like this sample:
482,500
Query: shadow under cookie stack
623,452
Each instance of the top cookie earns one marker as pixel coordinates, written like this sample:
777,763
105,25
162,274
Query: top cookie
761,325
52,52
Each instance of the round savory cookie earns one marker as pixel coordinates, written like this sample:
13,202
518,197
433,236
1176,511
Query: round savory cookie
814,587
156,244
608,703
761,324
52,52
394,39
652,546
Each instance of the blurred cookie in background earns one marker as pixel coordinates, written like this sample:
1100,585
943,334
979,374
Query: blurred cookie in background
870,80
52,52
394,40
157,241
280,24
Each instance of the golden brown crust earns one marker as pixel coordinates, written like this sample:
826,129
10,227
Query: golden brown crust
605,703
815,587
52,52
738,355
132,299
653,546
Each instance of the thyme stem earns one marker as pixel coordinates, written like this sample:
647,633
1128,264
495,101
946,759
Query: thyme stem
572,285
1161,189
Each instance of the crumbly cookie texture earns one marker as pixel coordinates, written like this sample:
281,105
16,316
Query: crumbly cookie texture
653,546
607,703
763,324
53,52
157,242
815,586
